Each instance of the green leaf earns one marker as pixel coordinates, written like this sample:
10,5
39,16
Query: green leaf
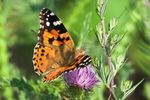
131,90
126,85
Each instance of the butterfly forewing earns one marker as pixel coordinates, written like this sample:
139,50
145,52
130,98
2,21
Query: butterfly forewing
41,58
52,31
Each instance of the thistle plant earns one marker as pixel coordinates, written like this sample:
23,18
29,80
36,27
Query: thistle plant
107,71
83,78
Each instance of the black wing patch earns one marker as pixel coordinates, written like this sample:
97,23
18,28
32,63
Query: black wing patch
49,21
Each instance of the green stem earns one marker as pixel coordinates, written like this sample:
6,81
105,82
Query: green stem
106,47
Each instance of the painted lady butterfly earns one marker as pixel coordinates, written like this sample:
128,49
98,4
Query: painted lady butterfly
55,53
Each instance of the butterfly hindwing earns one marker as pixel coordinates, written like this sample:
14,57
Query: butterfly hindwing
80,62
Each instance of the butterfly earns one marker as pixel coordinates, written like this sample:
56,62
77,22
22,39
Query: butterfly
55,52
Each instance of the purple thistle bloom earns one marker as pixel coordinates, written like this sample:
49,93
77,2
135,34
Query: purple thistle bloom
83,78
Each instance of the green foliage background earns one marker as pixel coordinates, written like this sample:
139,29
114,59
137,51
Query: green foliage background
19,24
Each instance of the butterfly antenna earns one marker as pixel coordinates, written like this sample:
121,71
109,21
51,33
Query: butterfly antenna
33,31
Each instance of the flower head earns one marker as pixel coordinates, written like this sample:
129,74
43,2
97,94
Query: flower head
84,78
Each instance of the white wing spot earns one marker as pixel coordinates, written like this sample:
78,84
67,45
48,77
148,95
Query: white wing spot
41,21
47,15
41,26
46,11
48,23
52,14
38,38
56,23
43,9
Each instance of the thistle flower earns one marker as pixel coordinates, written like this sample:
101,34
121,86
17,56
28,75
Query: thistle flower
83,78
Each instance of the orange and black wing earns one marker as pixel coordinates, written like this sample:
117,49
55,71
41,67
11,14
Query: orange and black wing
52,31
79,62
55,47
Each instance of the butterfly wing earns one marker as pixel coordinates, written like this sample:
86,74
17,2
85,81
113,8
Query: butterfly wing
55,47
52,30
80,62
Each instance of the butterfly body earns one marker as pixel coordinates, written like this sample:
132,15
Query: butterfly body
55,53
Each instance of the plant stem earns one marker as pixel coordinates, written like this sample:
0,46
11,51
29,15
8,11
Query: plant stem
109,59
109,97
106,47
111,88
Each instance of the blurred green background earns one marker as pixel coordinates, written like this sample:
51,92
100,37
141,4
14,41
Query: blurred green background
19,24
